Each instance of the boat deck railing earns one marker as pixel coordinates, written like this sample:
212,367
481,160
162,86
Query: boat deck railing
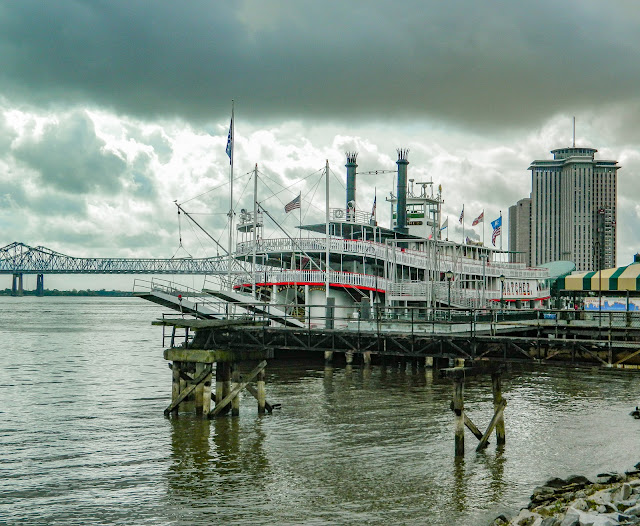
390,254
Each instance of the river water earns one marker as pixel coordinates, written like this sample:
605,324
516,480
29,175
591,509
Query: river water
83,439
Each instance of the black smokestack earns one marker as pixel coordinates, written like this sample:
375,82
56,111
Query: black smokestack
351,178
401,208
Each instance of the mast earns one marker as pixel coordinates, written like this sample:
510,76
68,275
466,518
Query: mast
231,136
255,230
326,220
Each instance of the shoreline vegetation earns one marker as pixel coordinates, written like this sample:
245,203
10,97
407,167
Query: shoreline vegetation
73,292
614,498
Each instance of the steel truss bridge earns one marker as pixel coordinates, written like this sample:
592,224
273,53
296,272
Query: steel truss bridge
18,259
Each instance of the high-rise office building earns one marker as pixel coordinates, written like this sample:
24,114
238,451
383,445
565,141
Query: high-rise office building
573,209
520,232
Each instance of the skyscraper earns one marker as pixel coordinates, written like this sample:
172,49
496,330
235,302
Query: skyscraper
520,232
573,209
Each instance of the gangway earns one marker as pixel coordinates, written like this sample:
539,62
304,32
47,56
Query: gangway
249,303
180,298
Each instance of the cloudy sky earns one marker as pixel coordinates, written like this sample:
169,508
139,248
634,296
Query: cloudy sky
110,110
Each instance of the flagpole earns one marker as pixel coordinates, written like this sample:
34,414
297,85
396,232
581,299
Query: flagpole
463,223
231,196
483,228
326,221
300,218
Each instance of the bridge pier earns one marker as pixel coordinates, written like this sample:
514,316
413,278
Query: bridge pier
17,285
40,285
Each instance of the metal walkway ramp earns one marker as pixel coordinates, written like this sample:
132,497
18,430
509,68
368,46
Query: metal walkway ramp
250,304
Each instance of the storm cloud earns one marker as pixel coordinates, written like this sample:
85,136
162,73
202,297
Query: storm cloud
495,64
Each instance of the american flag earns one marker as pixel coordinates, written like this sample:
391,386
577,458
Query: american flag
292,205
479,219
462,214
497,229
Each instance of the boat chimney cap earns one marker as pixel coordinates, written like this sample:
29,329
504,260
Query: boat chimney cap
403,154
352,157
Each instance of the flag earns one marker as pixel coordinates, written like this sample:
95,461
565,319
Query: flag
230,141
445,224
462,214
479,219
497,229
292,205
373,210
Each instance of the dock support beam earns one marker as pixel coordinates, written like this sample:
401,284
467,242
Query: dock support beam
496,384
458,409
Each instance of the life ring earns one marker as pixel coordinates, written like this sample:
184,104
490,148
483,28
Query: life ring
338,213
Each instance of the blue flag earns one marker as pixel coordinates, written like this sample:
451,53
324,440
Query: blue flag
230,141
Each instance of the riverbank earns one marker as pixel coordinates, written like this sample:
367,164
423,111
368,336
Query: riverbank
612,499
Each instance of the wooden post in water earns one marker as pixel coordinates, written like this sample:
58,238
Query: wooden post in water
348,356
175,384
328,356
199,389
428,361
235,402
366,357
496,384
458,409
262,393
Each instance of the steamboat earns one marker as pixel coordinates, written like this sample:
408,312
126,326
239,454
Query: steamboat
350,267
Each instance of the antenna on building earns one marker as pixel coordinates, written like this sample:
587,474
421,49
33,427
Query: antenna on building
574,131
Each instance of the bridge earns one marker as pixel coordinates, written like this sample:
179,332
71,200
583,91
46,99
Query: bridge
19,259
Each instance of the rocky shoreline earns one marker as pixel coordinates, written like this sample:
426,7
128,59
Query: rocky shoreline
613,499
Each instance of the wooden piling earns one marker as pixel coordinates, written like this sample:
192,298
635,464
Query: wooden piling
235,382
366,357
199,391
262,393
496,384
428,362
458,409
175,384
348,356
328,356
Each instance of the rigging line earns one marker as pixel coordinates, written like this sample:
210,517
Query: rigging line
291,184
200,227
198,239
337,178
216,187
311,202
295,242
242,193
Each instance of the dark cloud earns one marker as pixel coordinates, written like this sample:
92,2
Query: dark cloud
500,63
70,157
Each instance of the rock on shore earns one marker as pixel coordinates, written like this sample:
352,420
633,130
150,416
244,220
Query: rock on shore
611,500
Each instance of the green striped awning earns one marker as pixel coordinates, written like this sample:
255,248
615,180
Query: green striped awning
612,279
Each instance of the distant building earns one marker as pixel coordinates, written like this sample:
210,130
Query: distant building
520,232
573,209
